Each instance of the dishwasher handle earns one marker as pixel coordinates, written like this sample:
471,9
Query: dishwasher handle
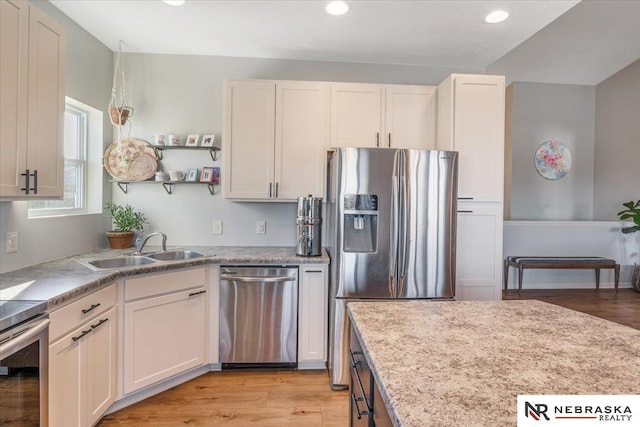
270,279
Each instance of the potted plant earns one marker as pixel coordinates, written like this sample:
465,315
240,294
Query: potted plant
125,221
632,212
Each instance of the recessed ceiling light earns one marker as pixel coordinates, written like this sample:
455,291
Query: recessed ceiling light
496,16
174,2
337,8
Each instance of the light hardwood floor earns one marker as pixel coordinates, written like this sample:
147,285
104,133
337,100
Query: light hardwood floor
304,398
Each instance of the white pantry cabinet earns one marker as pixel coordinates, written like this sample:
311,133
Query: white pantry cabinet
82,363
32,90
471,110
471,119
369,115
312,316
164,326
479,251
276,133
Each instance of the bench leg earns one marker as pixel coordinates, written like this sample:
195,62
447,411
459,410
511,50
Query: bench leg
597,278
520,270
616,275
506,274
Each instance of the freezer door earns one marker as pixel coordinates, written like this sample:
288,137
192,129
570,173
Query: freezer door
428,204
360,207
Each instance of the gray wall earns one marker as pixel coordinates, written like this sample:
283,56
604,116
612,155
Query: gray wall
89,71
183,95
617,149
543,112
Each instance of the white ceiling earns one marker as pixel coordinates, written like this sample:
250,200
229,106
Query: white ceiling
431,33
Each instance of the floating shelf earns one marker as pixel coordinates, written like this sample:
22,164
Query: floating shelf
168,185
213,151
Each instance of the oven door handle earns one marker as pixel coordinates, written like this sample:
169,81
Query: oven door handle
20,340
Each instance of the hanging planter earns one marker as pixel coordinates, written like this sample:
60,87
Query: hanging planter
119,115
119,110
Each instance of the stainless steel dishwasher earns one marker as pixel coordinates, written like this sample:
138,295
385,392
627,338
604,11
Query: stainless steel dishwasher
258,317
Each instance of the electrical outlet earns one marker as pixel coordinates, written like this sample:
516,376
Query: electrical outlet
13,241
217,227
261,227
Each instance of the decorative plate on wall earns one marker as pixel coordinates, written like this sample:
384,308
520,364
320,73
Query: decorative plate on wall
135,161
552,160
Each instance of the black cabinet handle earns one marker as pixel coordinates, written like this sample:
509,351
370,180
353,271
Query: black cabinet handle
313,271
196,293
93,307
465,198
355,400
27,176
101,322
81,335
276,189
465,211
377,139
389,139
35,181
270,184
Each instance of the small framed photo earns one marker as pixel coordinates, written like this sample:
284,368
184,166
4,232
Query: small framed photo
216,175
207,140
192,141
192,175
206,175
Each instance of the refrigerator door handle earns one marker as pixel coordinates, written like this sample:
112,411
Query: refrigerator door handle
402,245
395,236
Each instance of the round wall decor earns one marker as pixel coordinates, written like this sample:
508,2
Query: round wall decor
552,160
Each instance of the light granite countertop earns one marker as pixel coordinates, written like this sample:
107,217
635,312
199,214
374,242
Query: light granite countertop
464,363
63,280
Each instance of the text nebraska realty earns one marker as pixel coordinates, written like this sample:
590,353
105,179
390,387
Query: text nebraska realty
602,413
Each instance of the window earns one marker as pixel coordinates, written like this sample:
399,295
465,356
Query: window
82,124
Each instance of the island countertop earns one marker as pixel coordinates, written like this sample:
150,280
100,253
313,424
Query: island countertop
465,363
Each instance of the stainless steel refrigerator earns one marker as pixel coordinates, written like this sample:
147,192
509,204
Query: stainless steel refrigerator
391,233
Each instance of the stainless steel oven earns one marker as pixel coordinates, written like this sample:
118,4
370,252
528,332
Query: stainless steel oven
23,368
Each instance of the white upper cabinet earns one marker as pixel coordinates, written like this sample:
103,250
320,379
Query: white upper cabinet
275,136
397,116
470,120
33,61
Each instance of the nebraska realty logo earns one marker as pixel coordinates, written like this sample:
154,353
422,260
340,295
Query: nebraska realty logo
578,410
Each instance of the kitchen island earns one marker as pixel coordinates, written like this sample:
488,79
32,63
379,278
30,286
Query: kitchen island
465,363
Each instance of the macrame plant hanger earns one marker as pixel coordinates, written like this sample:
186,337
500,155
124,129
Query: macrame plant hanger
119,111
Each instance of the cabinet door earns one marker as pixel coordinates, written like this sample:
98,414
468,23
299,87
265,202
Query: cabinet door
478,129
47,63
100,369
66,360
248,139
312,315
301,138
479,251
163,336
410,117
356,115
14,31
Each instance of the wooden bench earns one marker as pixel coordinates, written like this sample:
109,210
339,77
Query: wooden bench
522,262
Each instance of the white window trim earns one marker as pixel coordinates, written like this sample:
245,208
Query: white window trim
92,185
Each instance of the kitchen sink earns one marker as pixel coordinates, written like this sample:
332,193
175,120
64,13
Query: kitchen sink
175,255
120,262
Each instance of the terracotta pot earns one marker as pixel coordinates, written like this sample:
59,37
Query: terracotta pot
120,115
120,240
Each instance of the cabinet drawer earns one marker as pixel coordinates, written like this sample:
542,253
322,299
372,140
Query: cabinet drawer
158,284
72,315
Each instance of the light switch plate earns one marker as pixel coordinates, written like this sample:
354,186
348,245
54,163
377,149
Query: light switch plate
261,227
13,241
217,227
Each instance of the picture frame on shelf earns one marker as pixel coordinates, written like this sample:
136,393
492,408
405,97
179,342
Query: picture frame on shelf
192,141
192,175
216,175
207,140
206,175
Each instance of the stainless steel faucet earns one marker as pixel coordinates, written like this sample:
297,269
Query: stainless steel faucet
140,242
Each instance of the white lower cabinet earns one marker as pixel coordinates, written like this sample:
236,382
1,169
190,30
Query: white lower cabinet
82,372
479,251
164,326
312,316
